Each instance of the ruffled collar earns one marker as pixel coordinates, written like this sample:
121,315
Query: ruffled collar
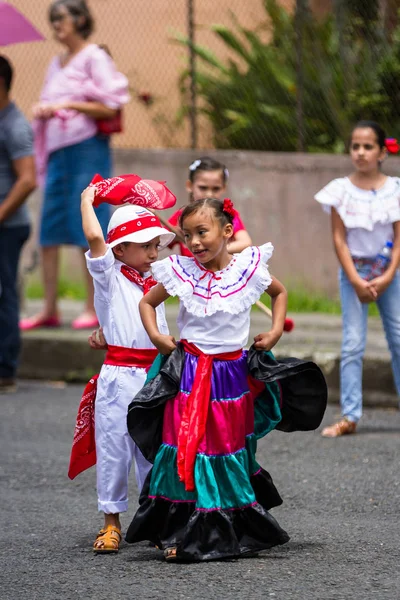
232,289
362,208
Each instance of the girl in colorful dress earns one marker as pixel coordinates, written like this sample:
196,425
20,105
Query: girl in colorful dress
208,179
207,498
365,215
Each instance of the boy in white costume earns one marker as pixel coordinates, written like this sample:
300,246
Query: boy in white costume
119,267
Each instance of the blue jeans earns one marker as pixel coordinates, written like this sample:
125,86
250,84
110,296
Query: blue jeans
69,171
11,241
355,319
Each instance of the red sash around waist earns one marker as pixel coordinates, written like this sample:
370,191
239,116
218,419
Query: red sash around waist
83,451
130,357
194,418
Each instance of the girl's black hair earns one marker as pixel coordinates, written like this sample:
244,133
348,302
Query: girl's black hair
379,132
217,205
206,163
76,8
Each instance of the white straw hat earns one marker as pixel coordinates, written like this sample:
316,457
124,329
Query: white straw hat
131,223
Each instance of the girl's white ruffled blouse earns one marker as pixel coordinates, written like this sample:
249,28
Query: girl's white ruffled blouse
368,215
215,306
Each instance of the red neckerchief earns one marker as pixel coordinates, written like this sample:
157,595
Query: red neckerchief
146,283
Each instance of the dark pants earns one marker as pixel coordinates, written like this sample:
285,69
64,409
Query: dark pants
11,241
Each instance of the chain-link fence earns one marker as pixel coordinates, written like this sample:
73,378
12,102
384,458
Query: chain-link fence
303,77
275,75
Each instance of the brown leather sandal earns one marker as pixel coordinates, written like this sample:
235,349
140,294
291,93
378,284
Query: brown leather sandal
170,554
342,427
107,540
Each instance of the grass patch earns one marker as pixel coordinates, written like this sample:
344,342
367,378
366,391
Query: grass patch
300,300
73,290
303,301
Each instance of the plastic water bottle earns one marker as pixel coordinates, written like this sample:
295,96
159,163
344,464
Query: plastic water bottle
381,262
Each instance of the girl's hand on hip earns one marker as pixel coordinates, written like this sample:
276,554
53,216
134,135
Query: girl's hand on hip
266,341
364,291
165,344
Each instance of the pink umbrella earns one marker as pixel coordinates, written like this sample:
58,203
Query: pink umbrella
14,27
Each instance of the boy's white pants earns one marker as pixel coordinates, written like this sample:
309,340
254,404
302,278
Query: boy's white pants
115,449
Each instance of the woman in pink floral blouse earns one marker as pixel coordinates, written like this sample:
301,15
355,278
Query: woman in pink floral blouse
82,86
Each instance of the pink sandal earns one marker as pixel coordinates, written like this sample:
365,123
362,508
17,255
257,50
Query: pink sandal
37,323
84,322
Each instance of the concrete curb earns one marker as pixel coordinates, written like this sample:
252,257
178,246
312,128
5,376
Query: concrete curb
67,356
64,354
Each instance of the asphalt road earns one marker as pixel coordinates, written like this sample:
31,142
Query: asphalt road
341,509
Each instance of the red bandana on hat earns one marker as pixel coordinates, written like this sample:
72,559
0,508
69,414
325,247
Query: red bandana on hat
132,189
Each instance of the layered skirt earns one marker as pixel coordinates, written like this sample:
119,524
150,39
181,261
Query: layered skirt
226,514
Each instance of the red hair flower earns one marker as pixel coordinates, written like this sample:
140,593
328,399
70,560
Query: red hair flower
392,145
228,207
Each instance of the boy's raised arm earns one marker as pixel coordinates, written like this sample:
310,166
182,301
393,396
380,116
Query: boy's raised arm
91,226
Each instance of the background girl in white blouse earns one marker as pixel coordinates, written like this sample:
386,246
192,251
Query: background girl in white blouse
365,215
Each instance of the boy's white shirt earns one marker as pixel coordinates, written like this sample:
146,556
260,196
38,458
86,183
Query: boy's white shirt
116,300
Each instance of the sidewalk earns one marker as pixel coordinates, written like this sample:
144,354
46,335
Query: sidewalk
64,354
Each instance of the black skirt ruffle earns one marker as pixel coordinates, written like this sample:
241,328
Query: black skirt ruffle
210,535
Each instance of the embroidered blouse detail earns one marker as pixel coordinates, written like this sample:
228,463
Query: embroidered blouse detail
231,290
362,208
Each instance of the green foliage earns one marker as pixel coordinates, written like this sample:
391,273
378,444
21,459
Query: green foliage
349,71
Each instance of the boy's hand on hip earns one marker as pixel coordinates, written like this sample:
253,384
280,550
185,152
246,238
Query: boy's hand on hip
165,344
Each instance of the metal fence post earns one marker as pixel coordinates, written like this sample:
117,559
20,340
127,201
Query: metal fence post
301,8
192,69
